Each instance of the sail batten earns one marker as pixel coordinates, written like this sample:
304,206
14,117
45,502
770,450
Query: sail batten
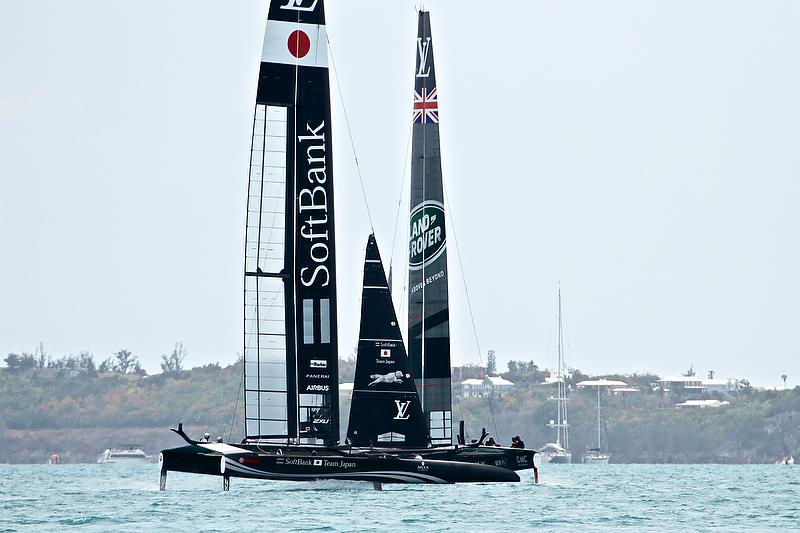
428,310
290,346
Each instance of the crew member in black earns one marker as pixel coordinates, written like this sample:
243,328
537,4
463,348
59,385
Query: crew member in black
516,442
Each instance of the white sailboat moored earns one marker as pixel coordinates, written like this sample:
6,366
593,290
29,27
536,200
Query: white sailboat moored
597,455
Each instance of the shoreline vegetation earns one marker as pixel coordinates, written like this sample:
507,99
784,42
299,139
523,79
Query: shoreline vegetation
74,408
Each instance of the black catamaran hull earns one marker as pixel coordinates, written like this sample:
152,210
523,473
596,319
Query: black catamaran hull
510,458
299,463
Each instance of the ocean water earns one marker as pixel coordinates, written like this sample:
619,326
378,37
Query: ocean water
569,498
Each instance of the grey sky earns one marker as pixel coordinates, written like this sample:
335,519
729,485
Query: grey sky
644,153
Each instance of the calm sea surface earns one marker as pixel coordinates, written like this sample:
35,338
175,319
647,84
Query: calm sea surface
570,498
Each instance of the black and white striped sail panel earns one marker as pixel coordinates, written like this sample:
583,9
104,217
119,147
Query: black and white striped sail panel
428,312
385,410
290,347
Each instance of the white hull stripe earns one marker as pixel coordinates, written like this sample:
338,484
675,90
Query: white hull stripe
222,447
294,43
407,477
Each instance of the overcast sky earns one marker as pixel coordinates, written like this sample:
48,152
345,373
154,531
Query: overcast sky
643,153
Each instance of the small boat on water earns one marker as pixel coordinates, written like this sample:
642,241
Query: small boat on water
554,453
54,459
785,461
596,455
122,453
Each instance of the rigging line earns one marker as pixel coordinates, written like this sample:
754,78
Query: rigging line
403,306
349,132
469,301
236,405
400,196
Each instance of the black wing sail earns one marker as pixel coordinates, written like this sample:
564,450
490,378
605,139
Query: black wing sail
428,311
290,348
385,410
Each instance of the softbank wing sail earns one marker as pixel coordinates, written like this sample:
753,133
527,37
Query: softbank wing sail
290,345
428,312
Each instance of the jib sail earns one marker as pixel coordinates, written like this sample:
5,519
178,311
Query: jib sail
385,410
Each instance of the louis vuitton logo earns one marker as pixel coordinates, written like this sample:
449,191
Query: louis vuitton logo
402,410
297,5
423,47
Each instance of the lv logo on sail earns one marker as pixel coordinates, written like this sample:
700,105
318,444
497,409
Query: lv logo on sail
297,5
422,50
402,409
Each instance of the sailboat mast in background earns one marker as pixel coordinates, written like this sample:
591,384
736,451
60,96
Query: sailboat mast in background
558,451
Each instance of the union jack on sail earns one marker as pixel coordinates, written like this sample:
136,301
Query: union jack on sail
426,106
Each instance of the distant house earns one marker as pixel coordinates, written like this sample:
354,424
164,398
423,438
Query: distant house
554,377
700,404
473,388
498,386
722,386
489,386
698,385
676,384
608,384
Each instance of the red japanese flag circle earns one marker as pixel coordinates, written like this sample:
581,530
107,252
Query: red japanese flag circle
299,44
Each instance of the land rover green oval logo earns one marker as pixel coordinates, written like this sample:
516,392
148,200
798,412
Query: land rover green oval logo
427,239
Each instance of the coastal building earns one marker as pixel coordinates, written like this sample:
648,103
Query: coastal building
617,391
694,384
608,384
700,404
498,386
495,386
554,377
472,388
677,384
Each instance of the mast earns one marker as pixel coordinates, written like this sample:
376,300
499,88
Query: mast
598,418
385,408
290,326
562,371
562,381
428,310
562,423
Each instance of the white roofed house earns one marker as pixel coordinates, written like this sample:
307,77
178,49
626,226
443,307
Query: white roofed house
498,386
694,384
489,386
676,384
699,404
473,388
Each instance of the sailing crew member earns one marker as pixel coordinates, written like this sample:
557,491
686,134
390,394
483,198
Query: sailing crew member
206,437
491,442
516,442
